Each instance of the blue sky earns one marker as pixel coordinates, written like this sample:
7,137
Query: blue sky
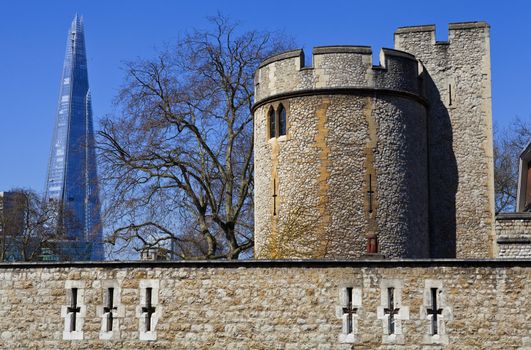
33,36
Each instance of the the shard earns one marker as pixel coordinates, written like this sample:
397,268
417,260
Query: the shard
72,175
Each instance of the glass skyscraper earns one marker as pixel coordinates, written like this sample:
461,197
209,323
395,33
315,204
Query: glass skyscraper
72,175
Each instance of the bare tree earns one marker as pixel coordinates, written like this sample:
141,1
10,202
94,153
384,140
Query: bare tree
27,225
178,160
508,144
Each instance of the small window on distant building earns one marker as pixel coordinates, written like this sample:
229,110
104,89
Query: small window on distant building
281,120
272,123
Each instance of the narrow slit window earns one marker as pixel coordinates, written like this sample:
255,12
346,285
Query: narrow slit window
281,120
435,311
449,94
275,195
272,123
109,308
73,310
348,312
391,310
148,310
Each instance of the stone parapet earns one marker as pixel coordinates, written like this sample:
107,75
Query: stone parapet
269,304
337,67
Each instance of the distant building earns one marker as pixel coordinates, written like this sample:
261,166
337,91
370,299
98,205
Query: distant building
12,210
523,201
72,176
154,254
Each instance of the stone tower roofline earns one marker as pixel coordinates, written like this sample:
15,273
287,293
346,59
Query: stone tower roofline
430,29
337,69
334,49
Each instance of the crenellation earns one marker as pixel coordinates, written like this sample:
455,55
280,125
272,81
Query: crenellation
336,67
353,123
426,34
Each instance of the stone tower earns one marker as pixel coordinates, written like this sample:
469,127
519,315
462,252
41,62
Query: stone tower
350,155
353,161
457,83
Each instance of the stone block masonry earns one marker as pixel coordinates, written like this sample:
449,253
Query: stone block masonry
513,235
450,304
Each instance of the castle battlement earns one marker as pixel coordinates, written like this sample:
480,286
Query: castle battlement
336,67
426,33
388,158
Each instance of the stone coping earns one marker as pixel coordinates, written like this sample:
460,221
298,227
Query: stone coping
468,25
370,263
451,26
282,56
514,216
413,29
342,49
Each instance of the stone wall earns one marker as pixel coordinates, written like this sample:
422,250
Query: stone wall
353,161
269,305
457,83
513,235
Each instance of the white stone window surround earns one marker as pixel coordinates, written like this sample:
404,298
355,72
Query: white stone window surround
403,311
118,314
441,337
345,336
76,334
143,285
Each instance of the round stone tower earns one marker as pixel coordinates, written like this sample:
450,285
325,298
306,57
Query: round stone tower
340,156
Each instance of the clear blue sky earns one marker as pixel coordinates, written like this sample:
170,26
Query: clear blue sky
33,36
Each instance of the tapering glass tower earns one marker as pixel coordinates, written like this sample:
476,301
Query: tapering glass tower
72,175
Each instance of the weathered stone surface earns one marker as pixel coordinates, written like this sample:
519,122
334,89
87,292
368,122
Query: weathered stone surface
338,148
419,142
268,305
457,81
513,235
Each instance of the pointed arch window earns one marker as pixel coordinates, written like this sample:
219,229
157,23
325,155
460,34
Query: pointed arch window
272,123
277,120
281,120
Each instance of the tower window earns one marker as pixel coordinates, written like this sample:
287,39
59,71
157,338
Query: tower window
281,120
277,121
272,123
